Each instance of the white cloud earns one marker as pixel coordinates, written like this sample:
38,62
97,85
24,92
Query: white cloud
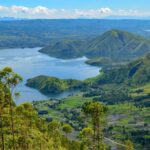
28,12
42,10
94,13
50,13
105,10
3,8
17,9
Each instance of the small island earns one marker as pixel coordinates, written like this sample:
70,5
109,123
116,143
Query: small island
48,85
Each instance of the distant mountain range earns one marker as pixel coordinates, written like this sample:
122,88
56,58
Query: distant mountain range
20,32
128,17
11,19
117,45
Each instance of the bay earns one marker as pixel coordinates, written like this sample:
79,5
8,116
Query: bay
28,62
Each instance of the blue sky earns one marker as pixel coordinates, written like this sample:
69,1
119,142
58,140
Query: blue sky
81,4
74,8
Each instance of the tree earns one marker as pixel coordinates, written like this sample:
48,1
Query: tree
96,111
2,103
20,126
54,132
8,81
129,145
67,129
86,135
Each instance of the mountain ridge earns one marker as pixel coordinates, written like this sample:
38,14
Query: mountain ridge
122,46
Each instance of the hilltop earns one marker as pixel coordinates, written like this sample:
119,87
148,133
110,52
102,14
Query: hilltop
116,44
65,49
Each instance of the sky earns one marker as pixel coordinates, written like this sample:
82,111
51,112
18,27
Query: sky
55,9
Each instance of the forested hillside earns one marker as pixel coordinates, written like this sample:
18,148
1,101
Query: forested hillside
52,85
134,73
65,49
123,46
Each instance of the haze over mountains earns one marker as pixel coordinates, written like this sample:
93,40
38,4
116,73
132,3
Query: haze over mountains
40,33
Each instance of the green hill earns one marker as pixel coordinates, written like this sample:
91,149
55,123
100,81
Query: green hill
65,49
129,82
48,85
134,73
116,44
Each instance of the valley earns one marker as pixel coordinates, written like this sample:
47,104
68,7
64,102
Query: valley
125,91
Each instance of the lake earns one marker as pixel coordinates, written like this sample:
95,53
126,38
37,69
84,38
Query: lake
28,62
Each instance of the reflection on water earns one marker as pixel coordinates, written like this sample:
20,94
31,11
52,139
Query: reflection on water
29,63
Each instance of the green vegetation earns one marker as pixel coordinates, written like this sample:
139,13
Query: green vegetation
40,33
123,46
63,109
129,82
128,121
101,61
53,85
134,73
82,121
22,128
96,112
124,120
117,45
64,49
121,83
125,90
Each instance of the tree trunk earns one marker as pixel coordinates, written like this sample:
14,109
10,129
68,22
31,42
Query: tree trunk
2,134
12,124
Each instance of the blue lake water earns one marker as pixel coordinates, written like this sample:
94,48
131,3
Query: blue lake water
28,62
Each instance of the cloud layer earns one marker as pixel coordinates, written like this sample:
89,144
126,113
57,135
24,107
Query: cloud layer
44,12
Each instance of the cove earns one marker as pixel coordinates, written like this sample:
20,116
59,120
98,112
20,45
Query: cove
28,62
